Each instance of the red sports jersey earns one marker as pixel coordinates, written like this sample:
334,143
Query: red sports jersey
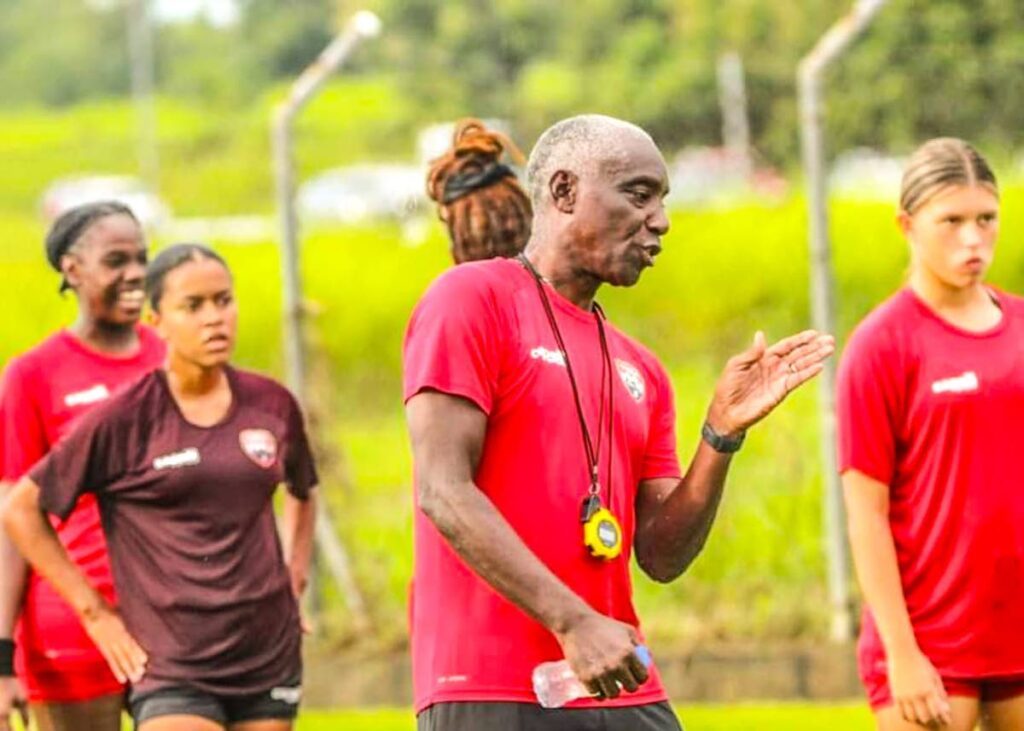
43,393
481,333
931,411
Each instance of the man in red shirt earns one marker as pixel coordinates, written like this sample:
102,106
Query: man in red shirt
545,452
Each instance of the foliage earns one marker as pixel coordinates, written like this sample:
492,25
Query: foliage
927,67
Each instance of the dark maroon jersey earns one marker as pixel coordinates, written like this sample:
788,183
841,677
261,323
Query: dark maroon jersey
198,567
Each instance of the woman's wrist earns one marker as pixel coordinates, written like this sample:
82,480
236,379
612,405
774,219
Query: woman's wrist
901,645
91,606
6,657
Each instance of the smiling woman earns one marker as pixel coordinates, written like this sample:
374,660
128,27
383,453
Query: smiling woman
99,251
187,461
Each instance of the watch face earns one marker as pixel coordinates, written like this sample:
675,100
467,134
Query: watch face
608,534
602,535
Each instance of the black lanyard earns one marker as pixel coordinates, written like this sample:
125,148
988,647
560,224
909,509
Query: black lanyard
593,453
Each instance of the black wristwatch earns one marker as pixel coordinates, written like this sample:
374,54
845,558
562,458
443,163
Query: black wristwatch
720,442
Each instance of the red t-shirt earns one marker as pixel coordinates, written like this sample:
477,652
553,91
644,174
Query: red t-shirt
43,393
931,410
480,332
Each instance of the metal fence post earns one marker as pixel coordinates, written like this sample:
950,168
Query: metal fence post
809,85
360,26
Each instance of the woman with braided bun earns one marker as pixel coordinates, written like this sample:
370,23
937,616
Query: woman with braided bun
100,252
486,210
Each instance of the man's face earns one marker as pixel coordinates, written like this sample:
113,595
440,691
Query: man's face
619,213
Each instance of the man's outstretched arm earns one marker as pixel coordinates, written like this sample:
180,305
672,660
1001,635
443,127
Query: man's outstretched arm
674,517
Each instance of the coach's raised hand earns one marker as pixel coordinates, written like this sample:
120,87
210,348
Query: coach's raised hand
757,380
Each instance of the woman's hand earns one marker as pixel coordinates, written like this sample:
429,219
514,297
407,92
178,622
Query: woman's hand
12,701
917,689
127,660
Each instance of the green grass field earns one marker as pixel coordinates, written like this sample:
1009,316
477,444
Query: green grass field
738,717
741,717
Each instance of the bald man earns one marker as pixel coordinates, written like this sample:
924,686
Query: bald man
545,451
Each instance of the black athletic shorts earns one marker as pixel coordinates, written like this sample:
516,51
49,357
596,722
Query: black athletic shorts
474,716
278,703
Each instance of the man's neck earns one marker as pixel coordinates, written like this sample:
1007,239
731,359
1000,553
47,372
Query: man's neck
557,270
105,337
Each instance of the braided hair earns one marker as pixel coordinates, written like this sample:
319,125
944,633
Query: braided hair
487,212
70,227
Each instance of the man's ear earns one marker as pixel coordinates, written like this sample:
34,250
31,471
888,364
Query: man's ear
564,187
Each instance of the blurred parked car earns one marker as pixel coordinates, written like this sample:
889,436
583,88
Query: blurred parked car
716,176
66,193
364,192
866,174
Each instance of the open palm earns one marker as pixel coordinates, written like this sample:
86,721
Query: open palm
757,380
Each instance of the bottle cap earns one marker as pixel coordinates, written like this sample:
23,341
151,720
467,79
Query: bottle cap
644,655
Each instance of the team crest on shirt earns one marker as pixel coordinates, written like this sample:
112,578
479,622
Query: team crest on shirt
631,379
259,445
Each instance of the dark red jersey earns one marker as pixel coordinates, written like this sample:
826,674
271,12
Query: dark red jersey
188,517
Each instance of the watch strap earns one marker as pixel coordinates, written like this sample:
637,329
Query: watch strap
720,442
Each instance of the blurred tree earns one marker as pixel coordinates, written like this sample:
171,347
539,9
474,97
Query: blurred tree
284,36
927,67
58,52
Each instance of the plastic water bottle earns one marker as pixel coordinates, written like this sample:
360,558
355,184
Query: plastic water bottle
556,684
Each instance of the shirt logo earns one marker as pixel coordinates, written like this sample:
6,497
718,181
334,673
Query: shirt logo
965,383
175,460
631,379
88,396
554,357
452,679
259,445
291,696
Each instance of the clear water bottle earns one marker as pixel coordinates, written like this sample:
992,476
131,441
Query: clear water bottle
556,684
